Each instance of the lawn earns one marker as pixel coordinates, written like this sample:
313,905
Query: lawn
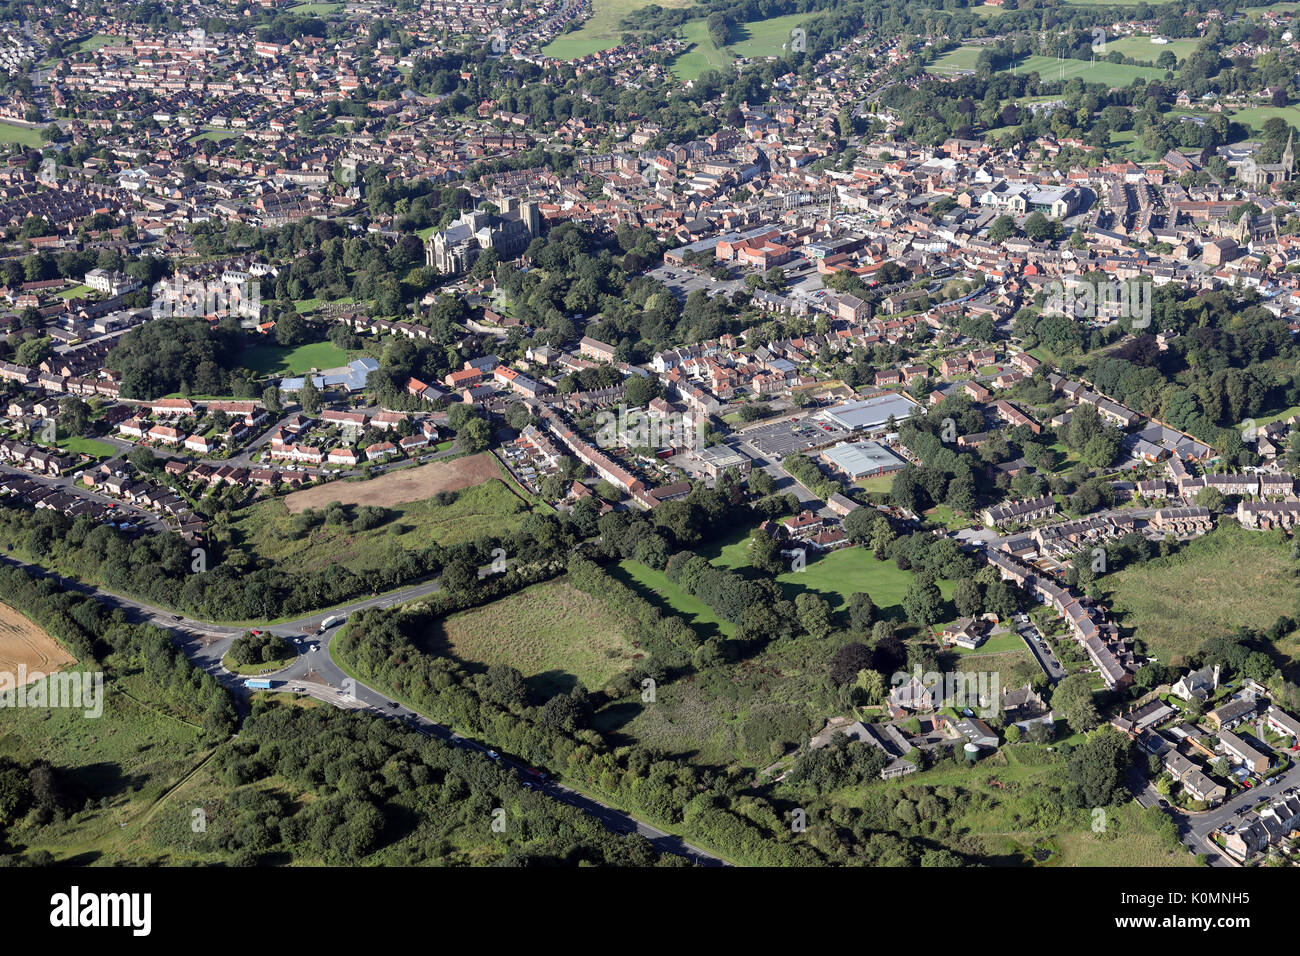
317,8
280,360
487,508
766,37
88,446
20,135
1227,579
601,31
97,41
552,633
77,291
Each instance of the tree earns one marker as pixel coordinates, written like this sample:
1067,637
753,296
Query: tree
1002,228
475,435
814,614
1073,700
848,661
1096,769
309,396
75,415
271,399
862,612
967,597
923,603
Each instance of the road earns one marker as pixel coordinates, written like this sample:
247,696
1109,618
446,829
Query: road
1052,667
314,670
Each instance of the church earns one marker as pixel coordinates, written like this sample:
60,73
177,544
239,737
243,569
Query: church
1262,175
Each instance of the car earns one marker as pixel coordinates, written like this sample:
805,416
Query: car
493,755
300,690
1164,803
343,693
178,617
392,703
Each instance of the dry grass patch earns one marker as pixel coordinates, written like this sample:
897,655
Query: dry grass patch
399,487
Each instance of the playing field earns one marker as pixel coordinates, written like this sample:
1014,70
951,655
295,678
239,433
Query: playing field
1143,50
1257,116
23,644
399,487
552,633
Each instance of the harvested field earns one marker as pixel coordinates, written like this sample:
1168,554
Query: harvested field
399,487
24,644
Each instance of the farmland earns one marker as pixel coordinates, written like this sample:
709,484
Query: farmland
401,486
552,633
26,645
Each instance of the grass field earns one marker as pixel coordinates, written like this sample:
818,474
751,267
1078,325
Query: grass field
1143,50
279,360
601,31
400,487
97,41
20,135
552,633
77,291
1227,579
25,644
656,588
1050,68
1257,116
124,764
486,508
701,55
88,446
320,9
761,38
1004,811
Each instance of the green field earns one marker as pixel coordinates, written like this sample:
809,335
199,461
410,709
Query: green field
317,8
279,360
1142,49
702,55
1227,579
1049,68
552,633
97,41
124,764
20,135
761,38
1257,116
601,31
486,508
88,446
77,291
655,587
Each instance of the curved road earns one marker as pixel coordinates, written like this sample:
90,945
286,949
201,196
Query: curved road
314,673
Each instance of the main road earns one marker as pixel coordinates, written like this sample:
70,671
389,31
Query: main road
313,672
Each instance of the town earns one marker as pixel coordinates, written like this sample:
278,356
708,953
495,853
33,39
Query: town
836,433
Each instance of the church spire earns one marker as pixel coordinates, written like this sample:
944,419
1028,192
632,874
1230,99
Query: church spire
1288,155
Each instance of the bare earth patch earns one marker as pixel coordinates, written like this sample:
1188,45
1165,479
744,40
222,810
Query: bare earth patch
399,487
22,643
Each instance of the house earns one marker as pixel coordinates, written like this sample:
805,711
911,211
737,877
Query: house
968,632
1200,685
1280,722
1232,713
1240,752
1279,819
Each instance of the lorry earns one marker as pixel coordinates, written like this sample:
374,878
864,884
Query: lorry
330,621
258,683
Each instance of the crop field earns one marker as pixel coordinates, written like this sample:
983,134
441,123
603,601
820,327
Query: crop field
401,486
24,644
